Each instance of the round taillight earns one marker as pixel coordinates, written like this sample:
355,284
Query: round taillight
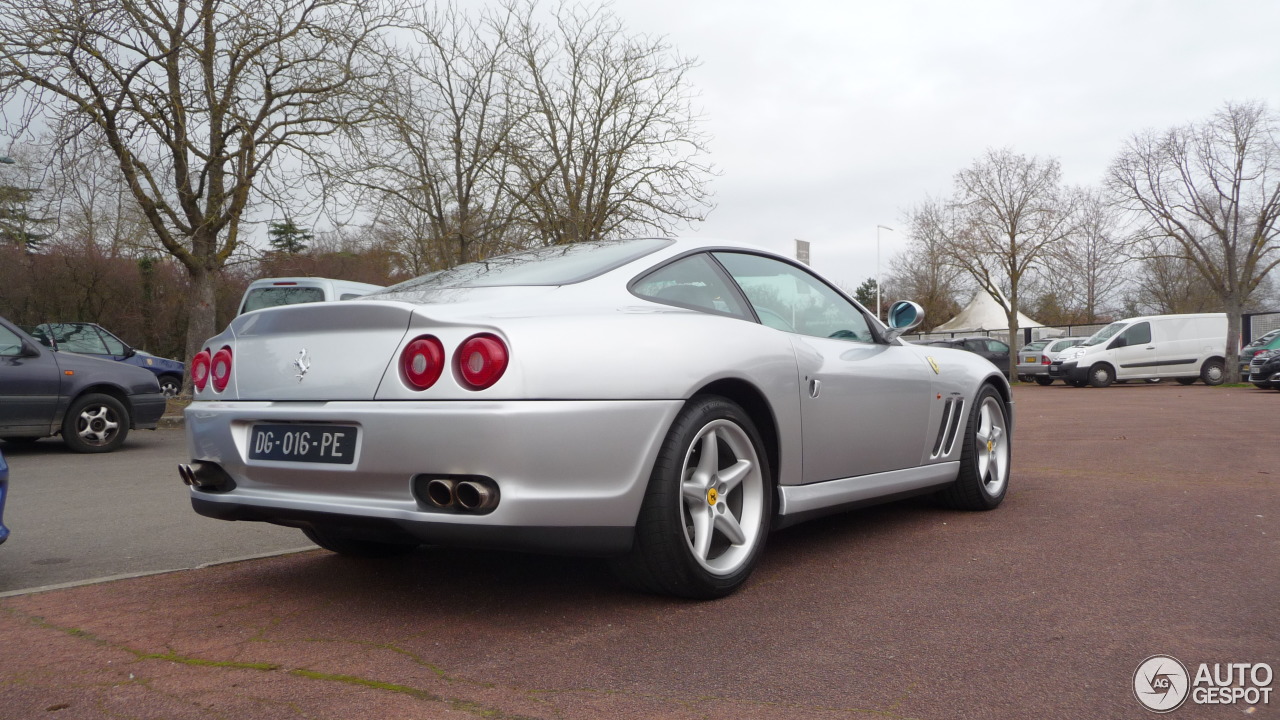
481,360
422,362
220,369
200,369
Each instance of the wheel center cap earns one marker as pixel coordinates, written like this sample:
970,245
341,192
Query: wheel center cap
991,446
712,496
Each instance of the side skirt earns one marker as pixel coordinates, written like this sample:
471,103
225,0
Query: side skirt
797,503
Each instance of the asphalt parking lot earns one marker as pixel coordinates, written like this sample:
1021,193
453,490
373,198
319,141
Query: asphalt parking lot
1141,520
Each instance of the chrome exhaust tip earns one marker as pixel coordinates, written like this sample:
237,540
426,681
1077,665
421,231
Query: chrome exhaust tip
440,492
184,472
475,497
206,477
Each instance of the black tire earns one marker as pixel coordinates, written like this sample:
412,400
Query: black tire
1075,383
1044,380
1260,386
1213,372
1101,375
337,541
1185,380
683,544
95,423
170,385
985,456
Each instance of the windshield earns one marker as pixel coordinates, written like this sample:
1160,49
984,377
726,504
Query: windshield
1105,333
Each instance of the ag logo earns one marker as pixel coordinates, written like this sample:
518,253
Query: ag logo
1161,683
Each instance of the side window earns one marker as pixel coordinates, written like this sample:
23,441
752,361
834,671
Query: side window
692,282
78,338
996,346
114,345
10,343
787,298
1139,334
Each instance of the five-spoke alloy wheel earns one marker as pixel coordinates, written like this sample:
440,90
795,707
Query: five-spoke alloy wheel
984,457
707,508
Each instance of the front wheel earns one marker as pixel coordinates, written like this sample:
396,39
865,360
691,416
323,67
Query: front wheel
171,386
1213,372
984,456
707,508
1101,376
95,423
1044,380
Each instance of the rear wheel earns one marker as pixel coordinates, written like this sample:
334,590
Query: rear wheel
984,457
1101,375
95,423
1214,372
707,508
335,540
1044,380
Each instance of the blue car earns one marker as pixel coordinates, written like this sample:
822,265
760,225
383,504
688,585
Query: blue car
4,490
92,339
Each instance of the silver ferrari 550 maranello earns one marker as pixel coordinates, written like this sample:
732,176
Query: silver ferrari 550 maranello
663,402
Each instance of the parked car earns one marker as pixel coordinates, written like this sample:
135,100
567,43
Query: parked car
1034,359
4,493
994,350
275,292
94,340
92,403
1183,347
1264,370
662,402
1269,341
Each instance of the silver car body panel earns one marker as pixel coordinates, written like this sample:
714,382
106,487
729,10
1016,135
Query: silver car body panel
571,430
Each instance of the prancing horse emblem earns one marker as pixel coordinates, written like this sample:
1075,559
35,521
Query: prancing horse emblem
303,363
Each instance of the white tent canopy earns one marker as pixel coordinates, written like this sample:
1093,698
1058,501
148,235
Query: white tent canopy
983,314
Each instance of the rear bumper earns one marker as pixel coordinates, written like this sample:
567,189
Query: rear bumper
571,474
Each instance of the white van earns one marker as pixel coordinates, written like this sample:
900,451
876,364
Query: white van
1183,347
275,292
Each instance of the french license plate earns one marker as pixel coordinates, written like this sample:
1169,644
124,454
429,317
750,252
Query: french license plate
335,444
1030,359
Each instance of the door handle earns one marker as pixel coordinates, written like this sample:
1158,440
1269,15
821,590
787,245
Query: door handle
815,387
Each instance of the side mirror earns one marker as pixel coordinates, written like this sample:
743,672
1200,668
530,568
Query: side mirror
1117,343
29,351
903,317
129,352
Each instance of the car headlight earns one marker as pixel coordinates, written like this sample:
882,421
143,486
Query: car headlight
1072,354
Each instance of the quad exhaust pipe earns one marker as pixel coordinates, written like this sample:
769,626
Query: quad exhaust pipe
470,494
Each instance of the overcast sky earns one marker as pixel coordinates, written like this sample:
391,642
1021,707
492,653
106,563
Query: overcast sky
828,118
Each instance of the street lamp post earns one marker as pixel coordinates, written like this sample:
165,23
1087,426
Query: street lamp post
878,229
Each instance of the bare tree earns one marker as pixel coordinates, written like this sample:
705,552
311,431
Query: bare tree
1166,282
206,105
1007,213
607,141
434,159
1086,268
1214,189
921,272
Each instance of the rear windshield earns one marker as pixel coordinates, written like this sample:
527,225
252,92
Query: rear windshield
555,265
268,297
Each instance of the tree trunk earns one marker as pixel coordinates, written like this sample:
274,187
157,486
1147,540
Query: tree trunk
1235,321
201,316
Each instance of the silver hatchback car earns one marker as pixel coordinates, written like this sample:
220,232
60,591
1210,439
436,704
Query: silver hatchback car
662,402
1034,359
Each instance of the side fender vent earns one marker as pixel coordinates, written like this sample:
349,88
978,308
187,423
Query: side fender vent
952,412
